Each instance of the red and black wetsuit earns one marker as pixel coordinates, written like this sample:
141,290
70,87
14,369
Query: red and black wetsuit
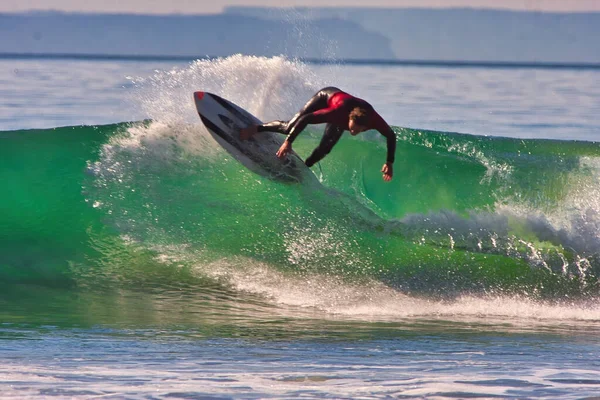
331,106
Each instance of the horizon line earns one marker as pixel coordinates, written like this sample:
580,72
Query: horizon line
315,61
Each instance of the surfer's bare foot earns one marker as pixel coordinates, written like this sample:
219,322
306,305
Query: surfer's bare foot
247,133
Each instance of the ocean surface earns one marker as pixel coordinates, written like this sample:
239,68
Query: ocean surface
139,260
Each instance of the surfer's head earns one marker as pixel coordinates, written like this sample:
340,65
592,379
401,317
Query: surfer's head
358,120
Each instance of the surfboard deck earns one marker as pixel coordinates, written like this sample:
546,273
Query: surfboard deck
224,119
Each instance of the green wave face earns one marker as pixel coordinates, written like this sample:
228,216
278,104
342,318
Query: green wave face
162,208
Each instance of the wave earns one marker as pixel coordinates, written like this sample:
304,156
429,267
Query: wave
529,203
158,205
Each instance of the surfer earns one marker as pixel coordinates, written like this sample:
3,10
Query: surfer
340,111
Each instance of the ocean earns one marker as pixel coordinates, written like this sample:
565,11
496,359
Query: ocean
139,260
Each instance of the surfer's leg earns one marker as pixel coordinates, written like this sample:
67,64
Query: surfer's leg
330,138
318,102
273,126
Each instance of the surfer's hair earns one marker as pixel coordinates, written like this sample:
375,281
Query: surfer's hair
359,116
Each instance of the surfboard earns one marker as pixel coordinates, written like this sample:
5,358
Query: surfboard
224,119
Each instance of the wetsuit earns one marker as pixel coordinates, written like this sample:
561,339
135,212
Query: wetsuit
331,106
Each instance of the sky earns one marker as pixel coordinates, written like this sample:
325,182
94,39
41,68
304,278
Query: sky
216,6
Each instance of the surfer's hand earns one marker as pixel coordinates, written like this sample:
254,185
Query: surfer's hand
388,171
285,148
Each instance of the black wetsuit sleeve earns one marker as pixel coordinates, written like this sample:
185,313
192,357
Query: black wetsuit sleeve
390,137
318,117
330,137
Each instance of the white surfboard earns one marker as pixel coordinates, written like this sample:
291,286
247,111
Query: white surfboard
223,120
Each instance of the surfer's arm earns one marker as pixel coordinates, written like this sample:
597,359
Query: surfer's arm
318,117
388,167
390,136
379,124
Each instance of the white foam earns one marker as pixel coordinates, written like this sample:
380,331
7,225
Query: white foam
369,300
269,88
562,238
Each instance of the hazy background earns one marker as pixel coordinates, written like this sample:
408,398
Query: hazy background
201,7
458,30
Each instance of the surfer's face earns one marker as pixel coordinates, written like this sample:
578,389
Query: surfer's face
354,128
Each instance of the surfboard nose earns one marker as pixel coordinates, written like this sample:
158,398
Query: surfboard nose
198,95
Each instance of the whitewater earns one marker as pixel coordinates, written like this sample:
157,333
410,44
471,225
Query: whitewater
138,257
